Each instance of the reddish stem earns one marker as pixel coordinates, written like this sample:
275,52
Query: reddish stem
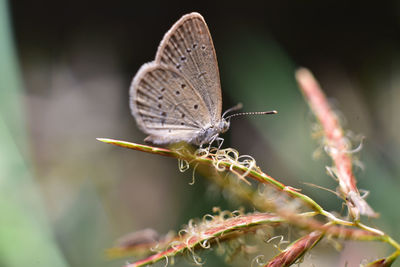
295,250
336,142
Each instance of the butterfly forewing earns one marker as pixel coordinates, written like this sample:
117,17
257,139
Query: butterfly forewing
188,48
166,105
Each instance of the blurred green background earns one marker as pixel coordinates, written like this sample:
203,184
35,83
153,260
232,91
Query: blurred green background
65,72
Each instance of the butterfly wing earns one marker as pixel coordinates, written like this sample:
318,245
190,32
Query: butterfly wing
188,48
166,106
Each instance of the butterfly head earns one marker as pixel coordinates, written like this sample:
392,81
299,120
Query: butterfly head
223,125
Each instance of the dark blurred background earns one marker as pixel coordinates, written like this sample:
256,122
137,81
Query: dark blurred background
65,75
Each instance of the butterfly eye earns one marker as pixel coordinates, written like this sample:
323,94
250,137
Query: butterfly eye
196,106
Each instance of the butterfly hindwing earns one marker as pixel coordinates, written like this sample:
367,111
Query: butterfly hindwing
166,105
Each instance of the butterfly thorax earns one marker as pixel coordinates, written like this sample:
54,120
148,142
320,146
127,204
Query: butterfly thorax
209,134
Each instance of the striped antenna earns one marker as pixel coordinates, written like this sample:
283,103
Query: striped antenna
252,113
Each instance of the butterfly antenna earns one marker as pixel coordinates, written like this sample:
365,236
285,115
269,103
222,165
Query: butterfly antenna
252,113
236,107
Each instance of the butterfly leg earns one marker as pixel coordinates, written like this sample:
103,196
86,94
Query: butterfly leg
219,140
212,141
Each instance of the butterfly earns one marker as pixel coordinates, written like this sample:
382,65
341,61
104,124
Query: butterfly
177,97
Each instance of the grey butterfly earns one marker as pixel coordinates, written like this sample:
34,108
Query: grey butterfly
177,97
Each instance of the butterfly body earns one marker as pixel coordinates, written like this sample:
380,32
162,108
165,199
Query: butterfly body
210,133
203,136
